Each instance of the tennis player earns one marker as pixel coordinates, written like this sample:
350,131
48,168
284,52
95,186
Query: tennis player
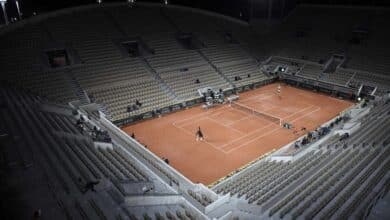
199,135
279,89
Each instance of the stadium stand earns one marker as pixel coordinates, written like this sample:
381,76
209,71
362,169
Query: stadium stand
69,159
318,183
72,163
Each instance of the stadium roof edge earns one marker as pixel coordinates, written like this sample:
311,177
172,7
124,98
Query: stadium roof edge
41,17
210,13
359,7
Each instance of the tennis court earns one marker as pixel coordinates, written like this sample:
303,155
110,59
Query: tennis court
237,133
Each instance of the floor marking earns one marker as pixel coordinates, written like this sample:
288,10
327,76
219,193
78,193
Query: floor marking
200,114
245,117
193,135
254,139
267,133
259,97
248,134
304,109
233,121
226,126
208,115
318,108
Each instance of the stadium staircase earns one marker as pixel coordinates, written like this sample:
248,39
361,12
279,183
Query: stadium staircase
169,19
46,30
103,109
333,63
331,66
157,77
250,54
216,68
175,26
256,59
80,92
350,79
111,19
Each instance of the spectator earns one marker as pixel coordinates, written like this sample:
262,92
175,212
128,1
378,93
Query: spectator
212,94
90,186
37,214
137,102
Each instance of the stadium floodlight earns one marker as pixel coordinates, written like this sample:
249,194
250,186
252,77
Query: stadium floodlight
131,1
165,2
99,1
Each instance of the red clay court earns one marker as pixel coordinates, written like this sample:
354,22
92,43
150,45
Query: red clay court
234,137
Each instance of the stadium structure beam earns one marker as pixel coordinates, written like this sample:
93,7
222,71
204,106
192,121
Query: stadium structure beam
18,9
3,2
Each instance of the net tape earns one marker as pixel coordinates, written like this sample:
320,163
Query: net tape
259,114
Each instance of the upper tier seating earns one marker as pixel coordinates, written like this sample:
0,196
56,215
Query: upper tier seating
169,54
312,71
183,83
21,64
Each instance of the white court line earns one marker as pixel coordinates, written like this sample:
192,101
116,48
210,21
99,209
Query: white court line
205,139
231,123
220,111
225,125
321,94
250,115
193,135
259,97
304,109
242,145
248,134
200,114
316,110
220,148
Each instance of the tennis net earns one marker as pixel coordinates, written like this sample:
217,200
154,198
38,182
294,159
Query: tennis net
259,114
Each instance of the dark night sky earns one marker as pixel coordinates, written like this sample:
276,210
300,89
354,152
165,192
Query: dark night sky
228,7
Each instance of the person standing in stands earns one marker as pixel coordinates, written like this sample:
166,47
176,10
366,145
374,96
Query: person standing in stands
137,102
199,135
37,214
279,90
